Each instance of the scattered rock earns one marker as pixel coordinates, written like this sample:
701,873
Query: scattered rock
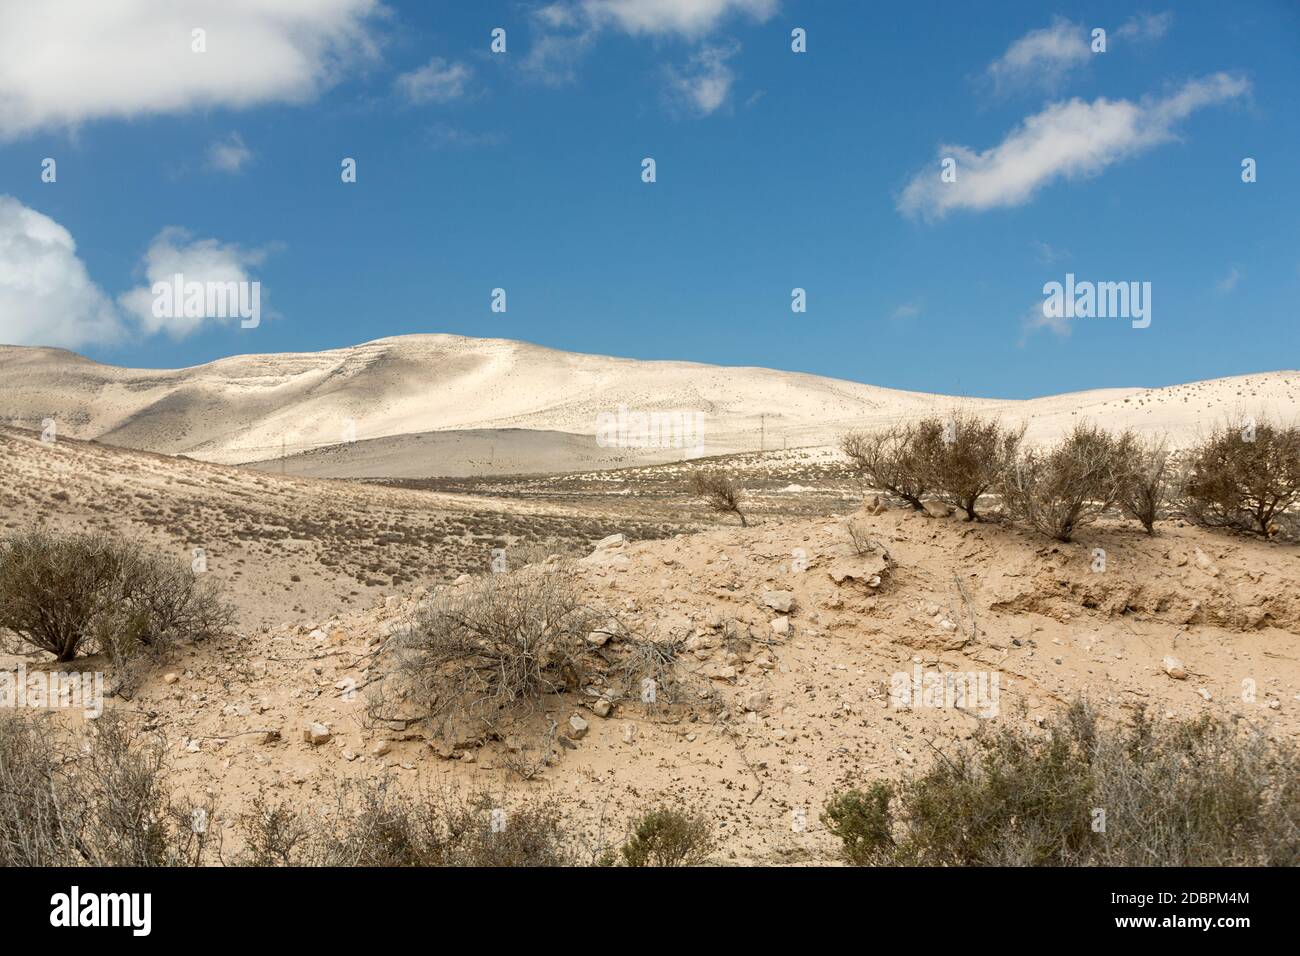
937,509
781,625
577,726
781,601
1174,668
316,734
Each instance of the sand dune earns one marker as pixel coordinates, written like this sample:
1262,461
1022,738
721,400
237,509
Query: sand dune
370,409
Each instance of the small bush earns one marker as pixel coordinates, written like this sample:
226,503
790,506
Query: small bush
64,593
669,837
898,459
862,822
375,826
1244,477
1059,490
1147,482
107,806
1196,793
720,492
497,646
970,460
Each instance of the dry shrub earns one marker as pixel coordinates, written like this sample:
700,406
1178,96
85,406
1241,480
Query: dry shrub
372,824
64,593
720,492
1244,476
971,459
1058,490
861,539
495,647
1147,485
898,459
669,837
1194,793
108,806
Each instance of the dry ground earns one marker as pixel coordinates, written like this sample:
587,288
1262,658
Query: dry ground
804,712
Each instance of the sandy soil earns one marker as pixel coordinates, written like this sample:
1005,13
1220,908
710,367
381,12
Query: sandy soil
807,705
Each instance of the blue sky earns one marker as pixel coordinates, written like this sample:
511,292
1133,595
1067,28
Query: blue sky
775,170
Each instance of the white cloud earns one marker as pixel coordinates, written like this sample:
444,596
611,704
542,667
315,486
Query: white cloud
568,28
438,81
443,136
689,18
1067,140
229,155
704,85
46,296
1048,253
1229,282
1145,26
1033,320
65,62
1041,57
908,310
174,251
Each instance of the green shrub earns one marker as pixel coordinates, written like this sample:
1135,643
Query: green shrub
1195,793
669,837
64,593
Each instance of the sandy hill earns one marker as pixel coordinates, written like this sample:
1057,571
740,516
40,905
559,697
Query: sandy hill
443,404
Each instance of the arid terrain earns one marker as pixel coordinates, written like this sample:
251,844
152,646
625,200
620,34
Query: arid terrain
790,634
420,406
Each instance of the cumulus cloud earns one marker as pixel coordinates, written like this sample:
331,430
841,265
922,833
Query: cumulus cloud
175,251
66,62
1041,57
438,81
46,295
1067,140
229,155
704,84
690,18
566,29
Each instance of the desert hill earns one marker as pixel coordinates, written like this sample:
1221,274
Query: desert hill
421,405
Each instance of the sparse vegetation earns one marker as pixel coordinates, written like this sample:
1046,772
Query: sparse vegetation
65,593
1244,476
497,645
1194,793
971,458
720,492
1058,490
105,806
669,837
1147,472
898,459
